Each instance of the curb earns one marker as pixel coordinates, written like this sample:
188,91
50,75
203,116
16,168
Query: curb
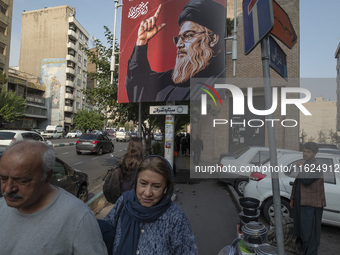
63,144
234,197
97,203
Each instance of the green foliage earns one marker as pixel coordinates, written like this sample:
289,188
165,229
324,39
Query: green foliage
158,149
88,120
12,106
3,78
230,26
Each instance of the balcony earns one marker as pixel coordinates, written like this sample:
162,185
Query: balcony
69,83
70,70
71,45
71,58
68,120
68,96
68,108
72,34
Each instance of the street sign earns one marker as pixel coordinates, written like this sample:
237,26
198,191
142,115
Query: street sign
283,28
169,109
258,21
277,58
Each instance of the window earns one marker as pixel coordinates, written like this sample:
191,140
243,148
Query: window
79,70
260,158
3,9
80,35
84,74
73,27
70,64
78,82
85,62
78,106
2,30
59,171
78,93
79,58
71,52
2,50
325,163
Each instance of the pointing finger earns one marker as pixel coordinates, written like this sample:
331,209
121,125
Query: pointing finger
158,11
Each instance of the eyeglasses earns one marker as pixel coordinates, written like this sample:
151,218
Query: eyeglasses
187,36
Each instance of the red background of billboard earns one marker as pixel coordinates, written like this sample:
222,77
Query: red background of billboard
161,49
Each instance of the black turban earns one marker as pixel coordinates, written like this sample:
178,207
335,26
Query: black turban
207,13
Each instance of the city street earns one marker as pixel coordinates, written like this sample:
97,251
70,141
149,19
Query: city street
207,203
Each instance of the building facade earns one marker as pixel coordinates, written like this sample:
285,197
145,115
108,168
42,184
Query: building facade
29,87
321,126
6,9
51,48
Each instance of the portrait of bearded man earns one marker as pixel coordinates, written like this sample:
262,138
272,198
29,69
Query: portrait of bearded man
200,54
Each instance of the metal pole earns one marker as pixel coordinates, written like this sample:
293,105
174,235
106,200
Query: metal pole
113,58
140,120
272,146
234,44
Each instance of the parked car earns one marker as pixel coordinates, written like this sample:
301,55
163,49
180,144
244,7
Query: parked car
158,137
64,176
97,143
329,150
260,187
133,135
122,136
242,161
7,137
74,134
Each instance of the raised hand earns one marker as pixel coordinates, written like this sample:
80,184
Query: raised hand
148,28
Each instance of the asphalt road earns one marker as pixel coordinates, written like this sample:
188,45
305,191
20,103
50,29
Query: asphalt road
95,166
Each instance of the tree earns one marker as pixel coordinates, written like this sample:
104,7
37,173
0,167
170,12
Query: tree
88,120
12,106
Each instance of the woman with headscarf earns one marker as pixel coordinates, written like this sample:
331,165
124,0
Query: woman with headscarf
145,219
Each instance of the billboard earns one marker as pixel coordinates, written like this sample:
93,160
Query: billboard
164,43
53,77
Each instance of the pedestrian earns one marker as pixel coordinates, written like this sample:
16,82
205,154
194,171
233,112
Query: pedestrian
197,149
120,178
145,218
308,200
184,145
178,143
37,217
130,161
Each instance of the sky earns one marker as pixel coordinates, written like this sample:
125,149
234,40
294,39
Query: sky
319,34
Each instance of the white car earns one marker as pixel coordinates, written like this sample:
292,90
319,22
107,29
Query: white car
260,187
74,134
7,137
242,161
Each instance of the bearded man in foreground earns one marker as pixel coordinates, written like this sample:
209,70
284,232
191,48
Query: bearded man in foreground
200,54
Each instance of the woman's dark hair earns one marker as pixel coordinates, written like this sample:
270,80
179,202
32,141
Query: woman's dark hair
133,156
160,166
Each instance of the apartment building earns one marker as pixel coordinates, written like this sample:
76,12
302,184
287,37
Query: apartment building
28,86
6,9
51,48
